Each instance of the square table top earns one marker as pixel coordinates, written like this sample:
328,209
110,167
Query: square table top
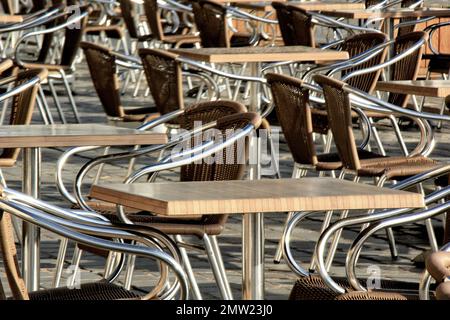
69,135
395,13
249,196
429,88
261,54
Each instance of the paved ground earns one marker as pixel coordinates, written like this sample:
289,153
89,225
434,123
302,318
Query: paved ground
279,279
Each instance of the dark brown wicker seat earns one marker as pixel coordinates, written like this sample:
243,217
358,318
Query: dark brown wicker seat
102,67
314,288
339,117
210,18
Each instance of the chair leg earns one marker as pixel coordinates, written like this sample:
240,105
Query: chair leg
75,265
215,267
189,272
45,105
296,173
222,270
60,262
131,263
70,96
100,168
42,110
56,100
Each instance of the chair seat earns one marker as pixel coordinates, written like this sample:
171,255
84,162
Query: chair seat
314,288
89,291
49,67
332,161
396,167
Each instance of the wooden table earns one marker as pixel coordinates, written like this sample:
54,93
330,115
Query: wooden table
32,138
429,88
10,18
309,6
389,13
250,196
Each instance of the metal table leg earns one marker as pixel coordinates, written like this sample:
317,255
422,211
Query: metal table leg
253,224
31,233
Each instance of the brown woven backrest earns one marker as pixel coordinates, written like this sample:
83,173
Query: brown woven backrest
407,68
371,3
10,261
302,27
22,105
294,114
358,44
102,67
128,12
72,39
284,22
295,25
153,15
210,19
229,165
164,78
340,120
407,29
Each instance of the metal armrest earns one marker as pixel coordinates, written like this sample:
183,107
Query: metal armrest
362,220
355,249
74,233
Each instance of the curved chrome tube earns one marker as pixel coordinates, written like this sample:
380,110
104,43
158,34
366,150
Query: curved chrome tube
40,219
355,249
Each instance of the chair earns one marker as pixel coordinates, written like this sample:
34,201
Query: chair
211,21
296,26
322,286
43,215
228,115
153,15
103,70
60,70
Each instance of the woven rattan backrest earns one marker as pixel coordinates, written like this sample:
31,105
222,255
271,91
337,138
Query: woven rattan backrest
340,120
153,15
410,28
293,112
302,27
408,67
284,22
102,67
210,18
164,79
230,116
358,44
9,255
22,105
128,14
72,39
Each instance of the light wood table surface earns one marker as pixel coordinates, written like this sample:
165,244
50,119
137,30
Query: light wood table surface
32,138
261,54
391,13
10,18
429,88
309,6
251,197
68,135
